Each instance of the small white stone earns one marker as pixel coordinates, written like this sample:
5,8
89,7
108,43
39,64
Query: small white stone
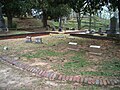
5,48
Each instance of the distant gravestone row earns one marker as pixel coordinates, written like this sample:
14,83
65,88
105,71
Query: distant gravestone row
37,40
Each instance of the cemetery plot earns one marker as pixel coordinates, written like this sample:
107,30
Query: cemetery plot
95,50
73,46
53,54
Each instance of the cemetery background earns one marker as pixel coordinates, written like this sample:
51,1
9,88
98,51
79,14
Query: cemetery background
54,53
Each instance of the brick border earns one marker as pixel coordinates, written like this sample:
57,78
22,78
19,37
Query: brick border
55,76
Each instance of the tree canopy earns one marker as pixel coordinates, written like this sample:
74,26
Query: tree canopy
55,8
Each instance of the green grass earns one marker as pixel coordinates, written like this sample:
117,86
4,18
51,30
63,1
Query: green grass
13,32
77,61
99,73
113,64
41,53
71,71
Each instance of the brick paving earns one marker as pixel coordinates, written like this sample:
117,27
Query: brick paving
56,76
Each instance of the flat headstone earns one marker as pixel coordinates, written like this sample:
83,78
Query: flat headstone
73,46
72,43
95,46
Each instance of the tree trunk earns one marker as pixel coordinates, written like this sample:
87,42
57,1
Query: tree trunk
94,23
119,19
119,16
9,21
90,21
44,19
79,21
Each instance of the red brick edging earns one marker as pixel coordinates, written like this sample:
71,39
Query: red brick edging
56,76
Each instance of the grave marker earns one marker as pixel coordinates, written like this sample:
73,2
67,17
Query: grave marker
72,43
95,50
113,24
94,46
53,28
73,46
38,40
28,39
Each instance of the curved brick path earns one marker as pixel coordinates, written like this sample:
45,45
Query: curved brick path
56,76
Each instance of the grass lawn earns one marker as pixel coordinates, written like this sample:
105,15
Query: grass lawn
14,32
35,25
96,23
54,55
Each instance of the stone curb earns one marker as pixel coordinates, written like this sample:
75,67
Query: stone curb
56,76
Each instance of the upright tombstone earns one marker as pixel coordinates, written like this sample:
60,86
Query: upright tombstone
113,24
38,40
2,21
53,28
28,39
60,29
